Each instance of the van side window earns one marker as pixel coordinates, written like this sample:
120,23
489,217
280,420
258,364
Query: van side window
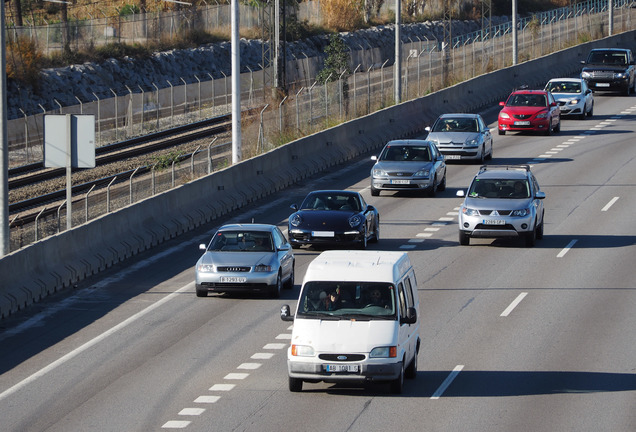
402,299
409,291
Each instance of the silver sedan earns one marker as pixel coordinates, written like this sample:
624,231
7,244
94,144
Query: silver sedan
462,137
403,165
245,258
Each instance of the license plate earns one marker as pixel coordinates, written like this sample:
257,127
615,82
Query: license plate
400,181
522,123
233,279
342,368
494,222
452,157
323,233
602,84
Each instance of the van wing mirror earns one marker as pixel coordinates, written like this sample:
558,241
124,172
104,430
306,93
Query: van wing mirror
285,313
411,316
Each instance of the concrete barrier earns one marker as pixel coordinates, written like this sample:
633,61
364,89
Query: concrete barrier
59,261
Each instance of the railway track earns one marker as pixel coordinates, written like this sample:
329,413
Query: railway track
27,210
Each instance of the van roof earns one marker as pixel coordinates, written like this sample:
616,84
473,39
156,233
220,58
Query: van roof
358,265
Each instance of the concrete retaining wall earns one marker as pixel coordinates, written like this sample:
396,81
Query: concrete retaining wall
59,261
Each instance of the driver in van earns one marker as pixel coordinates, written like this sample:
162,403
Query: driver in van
376,299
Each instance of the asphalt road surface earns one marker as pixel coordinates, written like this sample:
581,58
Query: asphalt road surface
513,338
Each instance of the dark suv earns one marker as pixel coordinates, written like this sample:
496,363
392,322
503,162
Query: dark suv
610,69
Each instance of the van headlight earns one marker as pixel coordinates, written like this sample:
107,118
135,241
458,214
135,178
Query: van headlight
302,351
383,352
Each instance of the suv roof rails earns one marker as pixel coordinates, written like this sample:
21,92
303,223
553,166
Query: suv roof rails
484,168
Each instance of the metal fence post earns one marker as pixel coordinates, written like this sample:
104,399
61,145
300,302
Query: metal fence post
108,194
280,115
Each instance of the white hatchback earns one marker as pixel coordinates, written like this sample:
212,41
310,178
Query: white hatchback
573,96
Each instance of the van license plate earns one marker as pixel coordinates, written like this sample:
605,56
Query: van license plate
342,368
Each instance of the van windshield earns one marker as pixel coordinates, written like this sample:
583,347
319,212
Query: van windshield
370,300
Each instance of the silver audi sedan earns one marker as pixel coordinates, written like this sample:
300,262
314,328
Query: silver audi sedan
408,165
462,137
245,258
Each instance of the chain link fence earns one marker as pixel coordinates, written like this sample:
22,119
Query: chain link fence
308,107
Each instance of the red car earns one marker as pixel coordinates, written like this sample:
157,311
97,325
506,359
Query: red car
530,110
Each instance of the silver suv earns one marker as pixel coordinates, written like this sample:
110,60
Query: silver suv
502,201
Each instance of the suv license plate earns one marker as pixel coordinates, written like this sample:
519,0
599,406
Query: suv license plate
494,222
342,368
232,279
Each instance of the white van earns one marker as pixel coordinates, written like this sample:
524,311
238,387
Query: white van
355,321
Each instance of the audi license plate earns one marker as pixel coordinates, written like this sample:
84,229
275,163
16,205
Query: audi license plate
400,182
233,279
342,368
522,123
494,222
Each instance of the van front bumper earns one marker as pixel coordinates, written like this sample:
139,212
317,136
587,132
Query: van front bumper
366,372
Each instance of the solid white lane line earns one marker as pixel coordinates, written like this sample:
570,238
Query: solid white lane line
514,304
449,379
93,342
609,204
566,249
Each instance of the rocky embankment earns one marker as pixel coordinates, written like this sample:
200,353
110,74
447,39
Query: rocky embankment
87,80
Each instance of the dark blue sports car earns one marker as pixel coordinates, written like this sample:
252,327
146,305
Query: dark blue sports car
328,217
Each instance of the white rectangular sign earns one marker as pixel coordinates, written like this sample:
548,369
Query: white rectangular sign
82,140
